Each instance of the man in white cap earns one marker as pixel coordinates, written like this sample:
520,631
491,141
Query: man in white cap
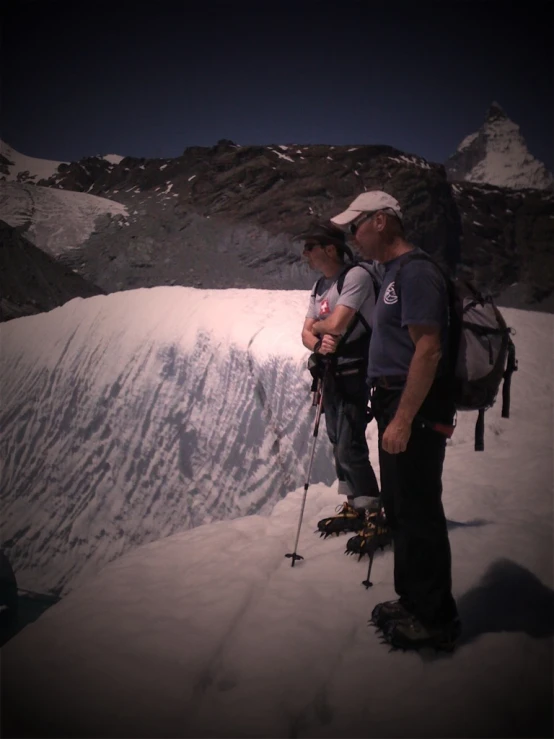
411,397
337,330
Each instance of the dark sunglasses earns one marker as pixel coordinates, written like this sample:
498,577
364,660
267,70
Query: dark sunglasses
356,224
309,247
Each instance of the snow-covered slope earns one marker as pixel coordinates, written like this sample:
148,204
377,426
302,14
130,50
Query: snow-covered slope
55,220
128,417
497,154
112,158
19,167
211,633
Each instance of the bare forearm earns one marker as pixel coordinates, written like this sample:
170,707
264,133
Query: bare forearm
421,374
326,326
309,340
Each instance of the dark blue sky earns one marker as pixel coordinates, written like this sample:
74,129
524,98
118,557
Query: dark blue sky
149,79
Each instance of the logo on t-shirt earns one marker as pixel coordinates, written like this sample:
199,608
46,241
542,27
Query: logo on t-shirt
390,297
324,309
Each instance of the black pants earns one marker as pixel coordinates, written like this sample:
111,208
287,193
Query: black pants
411,485
345,402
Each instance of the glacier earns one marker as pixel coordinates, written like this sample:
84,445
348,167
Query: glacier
130,417
210,632
56,221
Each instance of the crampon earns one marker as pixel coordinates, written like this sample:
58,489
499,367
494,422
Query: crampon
375,535
410,634
347,519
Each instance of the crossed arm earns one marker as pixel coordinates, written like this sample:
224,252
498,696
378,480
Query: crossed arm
422,371
328,330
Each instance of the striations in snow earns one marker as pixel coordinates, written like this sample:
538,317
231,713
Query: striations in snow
209,632
133,416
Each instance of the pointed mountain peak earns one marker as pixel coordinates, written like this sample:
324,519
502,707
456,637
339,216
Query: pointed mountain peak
497,154
495,113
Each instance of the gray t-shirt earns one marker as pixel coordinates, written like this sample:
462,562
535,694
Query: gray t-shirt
423,300
357,293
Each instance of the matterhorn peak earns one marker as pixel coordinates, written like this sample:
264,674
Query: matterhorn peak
497,154
496,112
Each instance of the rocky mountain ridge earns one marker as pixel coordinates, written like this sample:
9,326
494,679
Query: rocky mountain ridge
226,216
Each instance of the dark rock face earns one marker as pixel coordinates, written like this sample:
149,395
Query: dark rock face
226,216
4,165
507,239
78,175
33,282
243,206
496,113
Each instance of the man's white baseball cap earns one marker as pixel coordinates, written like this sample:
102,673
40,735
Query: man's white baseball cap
368,202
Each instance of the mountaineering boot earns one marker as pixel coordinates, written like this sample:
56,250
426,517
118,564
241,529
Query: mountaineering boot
410,633
374,534
347,519
390,610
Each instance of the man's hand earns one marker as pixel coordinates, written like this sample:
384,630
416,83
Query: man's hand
336,323
423,368
396,436
329,344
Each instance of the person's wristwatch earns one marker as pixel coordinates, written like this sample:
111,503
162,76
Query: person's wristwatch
317,346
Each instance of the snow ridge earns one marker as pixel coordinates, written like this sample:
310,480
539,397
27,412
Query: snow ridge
113,158
155,410
210,633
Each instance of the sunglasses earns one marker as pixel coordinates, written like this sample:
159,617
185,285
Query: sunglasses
355,225
309,247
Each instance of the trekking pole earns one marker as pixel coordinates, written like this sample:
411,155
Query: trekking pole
293,555
378,520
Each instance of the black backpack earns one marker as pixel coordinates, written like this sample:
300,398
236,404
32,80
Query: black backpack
481,351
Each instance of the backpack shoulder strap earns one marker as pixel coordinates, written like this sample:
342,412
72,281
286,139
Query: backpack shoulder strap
340,285
372,272
376,287
423,256
340,281
315,288
418,256
454,326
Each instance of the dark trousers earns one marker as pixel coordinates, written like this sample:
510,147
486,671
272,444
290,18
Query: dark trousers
411,484
345,401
